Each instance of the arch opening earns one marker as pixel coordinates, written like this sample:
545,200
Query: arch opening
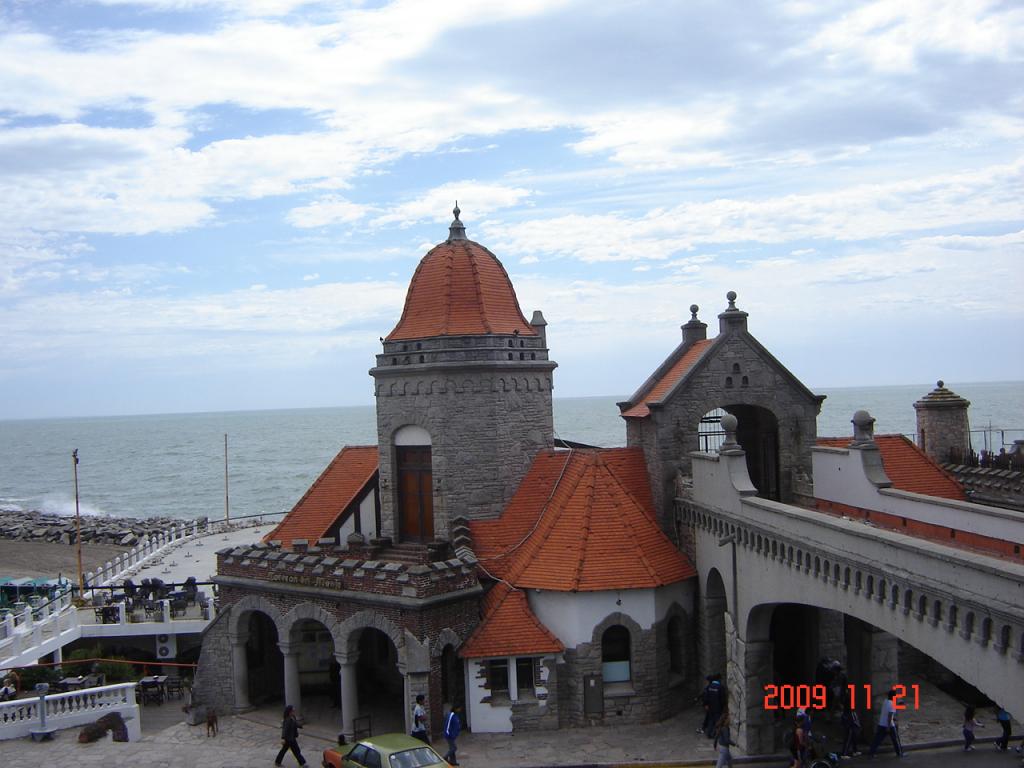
263,660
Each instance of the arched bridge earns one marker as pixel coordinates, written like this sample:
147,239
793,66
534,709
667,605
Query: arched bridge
963,609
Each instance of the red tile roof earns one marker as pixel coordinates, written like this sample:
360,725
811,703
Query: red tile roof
508,628
460,288
657,391
909,468
581,521
344,480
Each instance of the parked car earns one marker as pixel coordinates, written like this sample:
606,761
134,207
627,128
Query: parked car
389,750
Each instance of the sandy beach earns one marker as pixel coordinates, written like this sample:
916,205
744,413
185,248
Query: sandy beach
41,559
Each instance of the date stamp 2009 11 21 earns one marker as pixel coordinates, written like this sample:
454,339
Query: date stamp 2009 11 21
816,696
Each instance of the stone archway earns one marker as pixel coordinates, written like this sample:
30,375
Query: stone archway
370,649
713,654
758,434
309,646
254,631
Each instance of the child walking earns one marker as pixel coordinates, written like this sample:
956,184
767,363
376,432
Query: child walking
969,725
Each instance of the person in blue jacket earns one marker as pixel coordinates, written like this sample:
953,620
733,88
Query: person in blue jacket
452,728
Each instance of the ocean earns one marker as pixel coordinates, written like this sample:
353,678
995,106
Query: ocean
173,464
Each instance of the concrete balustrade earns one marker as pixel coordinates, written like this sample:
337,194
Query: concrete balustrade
71,710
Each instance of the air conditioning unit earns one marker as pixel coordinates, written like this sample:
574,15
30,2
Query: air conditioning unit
166,647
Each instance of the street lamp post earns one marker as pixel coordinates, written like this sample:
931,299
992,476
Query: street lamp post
78,525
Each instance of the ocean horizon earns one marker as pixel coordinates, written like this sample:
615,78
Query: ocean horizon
172,464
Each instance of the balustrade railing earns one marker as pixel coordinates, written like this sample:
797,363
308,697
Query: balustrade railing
21,717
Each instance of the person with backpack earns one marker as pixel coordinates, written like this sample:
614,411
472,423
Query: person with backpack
710,698
1003,718
723,740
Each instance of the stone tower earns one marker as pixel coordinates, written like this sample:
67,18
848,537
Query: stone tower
942,425
463,388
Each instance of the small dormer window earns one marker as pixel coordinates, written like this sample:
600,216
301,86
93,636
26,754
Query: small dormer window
745,382
728,382
735,367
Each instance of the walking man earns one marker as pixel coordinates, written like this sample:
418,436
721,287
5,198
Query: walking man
452,728
290,737
887,726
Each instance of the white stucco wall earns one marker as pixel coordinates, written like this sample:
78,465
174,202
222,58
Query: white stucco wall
367,518
840,476
572,616
483,717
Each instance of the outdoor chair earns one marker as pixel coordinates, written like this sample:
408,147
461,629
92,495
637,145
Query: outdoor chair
151,693
174,685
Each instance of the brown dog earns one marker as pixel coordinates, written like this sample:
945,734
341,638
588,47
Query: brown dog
211,722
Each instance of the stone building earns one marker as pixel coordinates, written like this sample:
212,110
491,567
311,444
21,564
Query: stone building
464,556
679,407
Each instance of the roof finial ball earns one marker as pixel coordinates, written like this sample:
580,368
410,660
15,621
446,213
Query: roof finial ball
729,446
693,311
940,384
731,296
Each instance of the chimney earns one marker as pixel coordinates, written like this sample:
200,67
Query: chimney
694,330
540,325
943,430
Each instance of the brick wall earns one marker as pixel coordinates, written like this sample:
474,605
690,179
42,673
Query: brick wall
938,533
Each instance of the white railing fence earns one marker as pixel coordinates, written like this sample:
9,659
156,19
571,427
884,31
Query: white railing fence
73,709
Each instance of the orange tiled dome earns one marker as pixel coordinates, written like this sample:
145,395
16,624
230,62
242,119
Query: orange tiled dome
460,288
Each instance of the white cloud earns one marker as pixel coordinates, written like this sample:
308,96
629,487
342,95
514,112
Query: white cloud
477,199
859,212
328,210
890,36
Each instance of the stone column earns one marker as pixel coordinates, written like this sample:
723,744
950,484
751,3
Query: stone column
750,667
349,695
883,671
292,687
240,672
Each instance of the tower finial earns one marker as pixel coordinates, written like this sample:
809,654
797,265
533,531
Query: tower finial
457,231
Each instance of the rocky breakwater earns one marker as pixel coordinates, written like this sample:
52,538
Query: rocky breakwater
120,531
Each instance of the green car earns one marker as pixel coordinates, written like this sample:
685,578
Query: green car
389,750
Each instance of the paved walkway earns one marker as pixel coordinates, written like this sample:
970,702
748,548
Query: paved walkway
252,740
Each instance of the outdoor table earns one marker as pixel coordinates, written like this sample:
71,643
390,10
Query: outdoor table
160,680
72,683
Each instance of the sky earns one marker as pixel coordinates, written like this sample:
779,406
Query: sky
218,204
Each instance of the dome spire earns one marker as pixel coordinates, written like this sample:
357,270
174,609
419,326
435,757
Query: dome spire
457,231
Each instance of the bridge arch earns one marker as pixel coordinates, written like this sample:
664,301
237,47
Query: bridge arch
987,651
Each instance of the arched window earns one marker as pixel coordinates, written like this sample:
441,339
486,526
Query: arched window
675,645
615,654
